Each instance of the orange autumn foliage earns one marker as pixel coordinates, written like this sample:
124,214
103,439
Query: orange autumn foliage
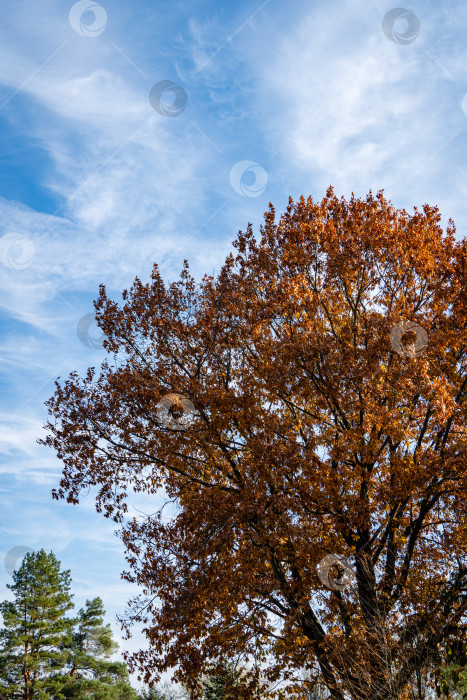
313,433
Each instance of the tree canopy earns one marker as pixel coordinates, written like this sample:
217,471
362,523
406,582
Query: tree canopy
306,414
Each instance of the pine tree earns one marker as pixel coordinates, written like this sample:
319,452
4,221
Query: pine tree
451,677
223,684
152,694
90,671
36,632
215,688
160,693
46,656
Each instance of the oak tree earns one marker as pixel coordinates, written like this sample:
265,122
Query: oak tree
305,412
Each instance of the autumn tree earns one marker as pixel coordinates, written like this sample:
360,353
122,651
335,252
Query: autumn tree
305,412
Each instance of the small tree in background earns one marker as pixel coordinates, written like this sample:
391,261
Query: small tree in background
90,670
152,694
215,688
451,677
162,692
221,685
224,683
36,633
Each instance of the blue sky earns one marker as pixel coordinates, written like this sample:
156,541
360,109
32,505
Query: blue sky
97,182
